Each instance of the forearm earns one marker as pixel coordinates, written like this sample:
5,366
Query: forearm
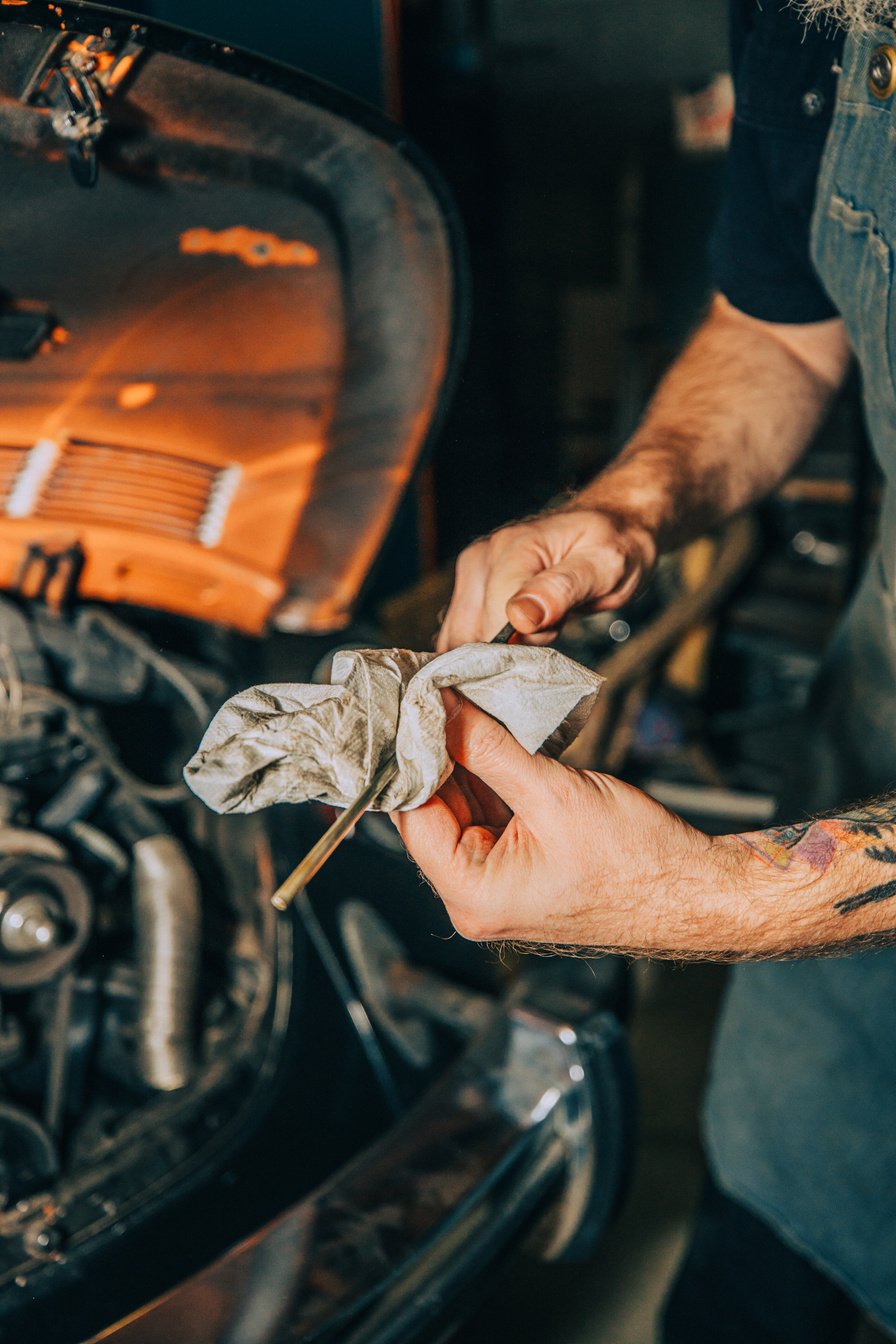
729,421
828,885
819,888
824,887
539,854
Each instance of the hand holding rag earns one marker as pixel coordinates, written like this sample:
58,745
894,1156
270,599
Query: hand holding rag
293,743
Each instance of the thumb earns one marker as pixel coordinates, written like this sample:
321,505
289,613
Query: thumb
485,747
552,593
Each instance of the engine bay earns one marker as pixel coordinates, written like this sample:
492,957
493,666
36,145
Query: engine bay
143,974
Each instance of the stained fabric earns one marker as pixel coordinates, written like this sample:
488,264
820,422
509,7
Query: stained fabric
294,743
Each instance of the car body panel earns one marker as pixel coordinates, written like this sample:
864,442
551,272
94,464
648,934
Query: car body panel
252,318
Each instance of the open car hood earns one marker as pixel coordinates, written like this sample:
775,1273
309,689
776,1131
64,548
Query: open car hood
219,364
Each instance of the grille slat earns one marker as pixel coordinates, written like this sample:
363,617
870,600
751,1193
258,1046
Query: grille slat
78,490
126,487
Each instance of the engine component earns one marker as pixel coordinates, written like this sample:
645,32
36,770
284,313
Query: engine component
71,81
403,1000
111,1048
28,1157
24,328
167,921
74,800
45,916
374,952
44,1239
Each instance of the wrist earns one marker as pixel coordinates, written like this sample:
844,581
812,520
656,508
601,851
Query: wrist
715,909
713,905
640,486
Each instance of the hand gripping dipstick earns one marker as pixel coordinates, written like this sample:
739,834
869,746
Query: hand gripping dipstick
318,854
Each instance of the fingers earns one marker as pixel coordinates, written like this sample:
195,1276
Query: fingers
472,802
459,800
489,752
517,559
480,858
486,808
534,574
431,834
546,598
452,861
463,620
486,573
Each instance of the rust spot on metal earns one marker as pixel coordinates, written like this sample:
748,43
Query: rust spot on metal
251,246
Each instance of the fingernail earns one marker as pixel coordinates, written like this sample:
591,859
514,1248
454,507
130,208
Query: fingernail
531,608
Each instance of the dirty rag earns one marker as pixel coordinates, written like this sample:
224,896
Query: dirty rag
291,743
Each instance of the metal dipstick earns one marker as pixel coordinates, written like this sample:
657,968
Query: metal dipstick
319,852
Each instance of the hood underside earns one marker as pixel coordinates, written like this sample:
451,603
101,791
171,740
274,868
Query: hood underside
219,364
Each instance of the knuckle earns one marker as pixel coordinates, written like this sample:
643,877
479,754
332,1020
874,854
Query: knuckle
567,789
611,565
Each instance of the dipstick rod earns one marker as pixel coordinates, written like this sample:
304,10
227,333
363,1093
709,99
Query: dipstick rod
318,854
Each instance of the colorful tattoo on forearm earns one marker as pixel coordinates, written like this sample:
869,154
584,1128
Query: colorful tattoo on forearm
869,830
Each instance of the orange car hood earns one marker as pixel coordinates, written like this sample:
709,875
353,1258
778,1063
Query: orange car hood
249,323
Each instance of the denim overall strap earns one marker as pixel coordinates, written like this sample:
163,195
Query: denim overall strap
853,241
800,1114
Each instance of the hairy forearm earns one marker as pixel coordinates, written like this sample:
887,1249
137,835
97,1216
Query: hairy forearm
825,887
835,877
729,421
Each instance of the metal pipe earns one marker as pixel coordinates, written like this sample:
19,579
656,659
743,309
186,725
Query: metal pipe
167,922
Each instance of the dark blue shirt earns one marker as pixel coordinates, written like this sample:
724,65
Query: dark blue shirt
785,78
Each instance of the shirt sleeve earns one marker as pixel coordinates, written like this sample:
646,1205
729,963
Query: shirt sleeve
785,88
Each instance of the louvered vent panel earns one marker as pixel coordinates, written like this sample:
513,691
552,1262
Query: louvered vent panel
127,487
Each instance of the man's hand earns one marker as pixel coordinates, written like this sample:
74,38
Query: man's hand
521,847
730,419
535,573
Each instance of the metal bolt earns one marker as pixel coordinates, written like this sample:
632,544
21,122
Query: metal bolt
44,1240
29,925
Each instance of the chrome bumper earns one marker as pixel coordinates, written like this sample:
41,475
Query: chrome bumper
526,1136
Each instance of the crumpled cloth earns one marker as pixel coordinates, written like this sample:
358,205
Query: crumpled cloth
291,743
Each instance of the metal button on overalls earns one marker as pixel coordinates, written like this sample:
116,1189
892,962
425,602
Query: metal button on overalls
882,72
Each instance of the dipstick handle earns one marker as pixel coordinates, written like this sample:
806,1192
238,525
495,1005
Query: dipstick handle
319,852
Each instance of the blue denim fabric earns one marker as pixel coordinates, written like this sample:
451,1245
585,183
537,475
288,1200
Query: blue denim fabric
800,1115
